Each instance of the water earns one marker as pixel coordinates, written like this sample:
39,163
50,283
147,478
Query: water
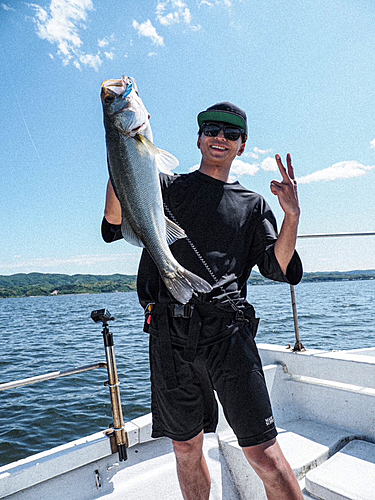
45,334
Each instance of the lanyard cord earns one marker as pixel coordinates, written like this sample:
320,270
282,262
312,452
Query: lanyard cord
203,261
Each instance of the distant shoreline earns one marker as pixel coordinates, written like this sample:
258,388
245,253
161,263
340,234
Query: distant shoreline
50,284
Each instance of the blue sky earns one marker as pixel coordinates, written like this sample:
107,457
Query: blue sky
303,71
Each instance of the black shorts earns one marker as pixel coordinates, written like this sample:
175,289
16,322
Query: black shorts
232,368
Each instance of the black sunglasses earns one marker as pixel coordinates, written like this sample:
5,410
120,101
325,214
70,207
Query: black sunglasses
231,132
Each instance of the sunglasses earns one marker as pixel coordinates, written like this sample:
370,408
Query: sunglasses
231,132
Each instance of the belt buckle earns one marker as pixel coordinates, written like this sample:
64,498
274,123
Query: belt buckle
182,311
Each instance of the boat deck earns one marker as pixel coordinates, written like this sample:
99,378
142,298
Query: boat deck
324,404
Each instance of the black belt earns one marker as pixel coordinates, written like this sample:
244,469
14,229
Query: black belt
194,313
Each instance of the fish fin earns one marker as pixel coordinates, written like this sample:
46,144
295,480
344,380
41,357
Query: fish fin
174,232
165,161
184,284
129,234
148,144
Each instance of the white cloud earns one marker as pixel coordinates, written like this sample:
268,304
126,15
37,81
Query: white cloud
151,54
7,7
186,16
109,55
342,170
240,168
261,151
256,152
171,18
174,12
226,3
61,25
148,30
103,43
91,60
46,264
250,154
372,144
269,164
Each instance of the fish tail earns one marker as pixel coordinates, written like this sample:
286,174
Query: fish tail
184,284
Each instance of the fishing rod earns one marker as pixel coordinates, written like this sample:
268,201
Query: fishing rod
122,442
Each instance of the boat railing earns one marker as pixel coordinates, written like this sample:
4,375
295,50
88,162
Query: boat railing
50,376
298,345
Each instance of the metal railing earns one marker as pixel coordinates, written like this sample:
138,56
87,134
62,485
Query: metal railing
50,376
335,235
298,346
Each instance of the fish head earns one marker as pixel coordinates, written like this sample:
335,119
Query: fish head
123,107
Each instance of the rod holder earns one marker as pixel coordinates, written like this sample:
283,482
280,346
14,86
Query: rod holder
113,383
298,346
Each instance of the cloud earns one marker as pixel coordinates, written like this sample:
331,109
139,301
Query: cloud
46,264
342,170
261,151
61,25
256,152
372,144
7,7
180,13
90,60
269,164
240,168
103,43
147,29
226,3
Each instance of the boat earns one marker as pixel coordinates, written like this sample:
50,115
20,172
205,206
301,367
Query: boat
324,407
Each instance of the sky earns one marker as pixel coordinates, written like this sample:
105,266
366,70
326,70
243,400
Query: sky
303,71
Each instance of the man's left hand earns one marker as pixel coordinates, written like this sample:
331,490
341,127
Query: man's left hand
286,190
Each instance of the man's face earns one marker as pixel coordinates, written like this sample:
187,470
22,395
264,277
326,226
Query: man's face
219,150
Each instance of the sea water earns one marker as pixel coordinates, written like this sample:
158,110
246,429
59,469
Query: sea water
46,334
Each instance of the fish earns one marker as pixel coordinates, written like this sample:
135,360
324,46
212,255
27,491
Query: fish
134,163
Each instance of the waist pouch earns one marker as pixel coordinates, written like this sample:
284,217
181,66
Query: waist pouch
192,326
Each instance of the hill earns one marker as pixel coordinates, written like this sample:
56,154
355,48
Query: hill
31,284
258,279
26,285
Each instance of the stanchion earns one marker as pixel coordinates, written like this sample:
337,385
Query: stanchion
103,315
298,345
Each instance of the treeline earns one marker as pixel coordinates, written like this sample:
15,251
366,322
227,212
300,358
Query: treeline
258,279
36,284
39,284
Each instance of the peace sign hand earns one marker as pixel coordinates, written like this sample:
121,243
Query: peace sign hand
286,190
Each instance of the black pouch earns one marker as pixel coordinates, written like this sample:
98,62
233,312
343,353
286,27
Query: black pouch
253,325
250,318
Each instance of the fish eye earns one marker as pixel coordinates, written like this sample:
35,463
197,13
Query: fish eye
109,99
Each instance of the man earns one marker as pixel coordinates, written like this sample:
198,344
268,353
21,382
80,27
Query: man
208,344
